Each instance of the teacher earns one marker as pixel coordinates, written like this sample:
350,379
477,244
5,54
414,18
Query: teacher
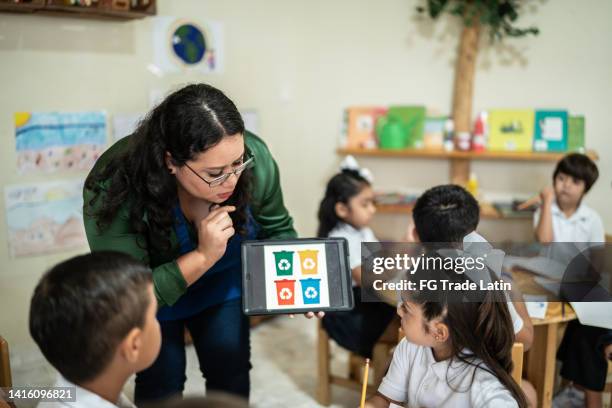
181,194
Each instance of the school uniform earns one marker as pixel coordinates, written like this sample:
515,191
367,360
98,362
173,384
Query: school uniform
359,329
84,399
584,225
581,350
416,379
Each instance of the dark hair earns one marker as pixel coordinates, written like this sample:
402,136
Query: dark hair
445,213
188,122
481,333
340,189
84,307
580,167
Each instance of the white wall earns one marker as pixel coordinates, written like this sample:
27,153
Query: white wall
299,63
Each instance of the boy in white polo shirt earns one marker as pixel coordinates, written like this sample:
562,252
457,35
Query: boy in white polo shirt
562,216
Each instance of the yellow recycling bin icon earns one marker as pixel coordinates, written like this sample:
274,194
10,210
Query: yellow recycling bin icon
309,261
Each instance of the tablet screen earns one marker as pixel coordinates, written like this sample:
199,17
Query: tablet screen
296,276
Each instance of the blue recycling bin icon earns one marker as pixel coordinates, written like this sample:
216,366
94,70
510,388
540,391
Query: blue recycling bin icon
310,291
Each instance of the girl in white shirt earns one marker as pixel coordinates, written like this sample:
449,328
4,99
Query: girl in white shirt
455,354
345,211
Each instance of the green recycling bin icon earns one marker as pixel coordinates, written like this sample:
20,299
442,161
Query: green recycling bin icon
284,263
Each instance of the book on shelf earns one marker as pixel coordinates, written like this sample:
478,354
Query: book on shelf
550,131
510,130
575,134
360,126
413,119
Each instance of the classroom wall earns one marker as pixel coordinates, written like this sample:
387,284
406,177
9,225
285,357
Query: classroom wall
299,63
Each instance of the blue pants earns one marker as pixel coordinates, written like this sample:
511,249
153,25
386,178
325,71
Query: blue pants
221,338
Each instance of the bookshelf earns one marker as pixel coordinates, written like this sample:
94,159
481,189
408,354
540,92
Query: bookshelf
101,9
459,161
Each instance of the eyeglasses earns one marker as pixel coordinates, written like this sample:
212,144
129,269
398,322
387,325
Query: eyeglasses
217,181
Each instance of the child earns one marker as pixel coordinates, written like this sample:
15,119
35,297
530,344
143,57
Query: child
345,211
563,217
457,352
448,213
93,317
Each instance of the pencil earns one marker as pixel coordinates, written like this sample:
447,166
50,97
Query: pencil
365,382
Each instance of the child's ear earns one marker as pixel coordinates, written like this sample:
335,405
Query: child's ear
131,345
170,163
342,210
440,332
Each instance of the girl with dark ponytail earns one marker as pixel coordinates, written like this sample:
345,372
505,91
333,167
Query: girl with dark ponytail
345,212
457,351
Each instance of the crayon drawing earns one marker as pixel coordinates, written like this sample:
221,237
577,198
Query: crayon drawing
54,141
44,218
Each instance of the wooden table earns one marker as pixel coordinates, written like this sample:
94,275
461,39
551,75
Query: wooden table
540,361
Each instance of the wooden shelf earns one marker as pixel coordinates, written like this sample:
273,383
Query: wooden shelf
57,9
441,154
487,211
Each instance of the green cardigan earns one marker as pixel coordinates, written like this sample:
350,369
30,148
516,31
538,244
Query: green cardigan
266,205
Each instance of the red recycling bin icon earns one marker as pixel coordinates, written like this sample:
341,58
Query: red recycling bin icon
285,293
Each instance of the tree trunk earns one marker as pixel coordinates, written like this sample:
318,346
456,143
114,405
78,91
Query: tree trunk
464,77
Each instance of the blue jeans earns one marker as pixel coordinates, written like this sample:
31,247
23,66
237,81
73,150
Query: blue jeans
221,338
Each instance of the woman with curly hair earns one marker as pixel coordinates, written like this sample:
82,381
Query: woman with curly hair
180,194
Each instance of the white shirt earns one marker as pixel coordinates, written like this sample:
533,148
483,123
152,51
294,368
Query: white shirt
84,399
584,225
418,380
354,238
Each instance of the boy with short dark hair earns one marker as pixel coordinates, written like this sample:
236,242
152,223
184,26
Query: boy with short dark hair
450,214
562,216
93,317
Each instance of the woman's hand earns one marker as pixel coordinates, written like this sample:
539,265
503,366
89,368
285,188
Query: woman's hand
213,233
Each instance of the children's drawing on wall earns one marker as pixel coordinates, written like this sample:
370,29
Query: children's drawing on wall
296,276
187,45
44,218
55,141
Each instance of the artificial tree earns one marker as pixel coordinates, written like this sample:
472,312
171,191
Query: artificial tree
499,17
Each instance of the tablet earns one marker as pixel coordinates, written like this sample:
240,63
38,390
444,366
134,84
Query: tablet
296,276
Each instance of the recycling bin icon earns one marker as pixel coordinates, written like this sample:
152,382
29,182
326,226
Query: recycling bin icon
284,263
308,261
285,293
310,291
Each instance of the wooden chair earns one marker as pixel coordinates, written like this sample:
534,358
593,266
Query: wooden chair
381,356
5,372
517,362
5,364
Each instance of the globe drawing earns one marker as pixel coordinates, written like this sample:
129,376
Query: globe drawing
189,44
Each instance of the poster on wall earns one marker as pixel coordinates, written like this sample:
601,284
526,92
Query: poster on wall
44,218
59,141
183,45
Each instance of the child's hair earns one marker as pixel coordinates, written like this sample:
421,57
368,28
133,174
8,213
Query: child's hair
580,167
84,307
445,213
480,328
340,189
